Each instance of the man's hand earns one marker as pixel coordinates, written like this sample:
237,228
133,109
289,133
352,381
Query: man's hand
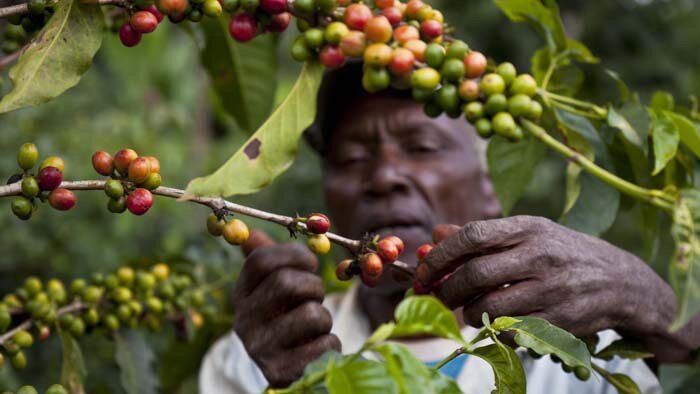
278,312
532,266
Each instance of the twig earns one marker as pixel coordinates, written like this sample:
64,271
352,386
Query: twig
17,9
75,306
451,357
215,203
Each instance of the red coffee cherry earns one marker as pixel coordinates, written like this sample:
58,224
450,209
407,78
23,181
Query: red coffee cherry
378,29
103,163
475,64
384,3
279,22
423,251
123,158
62,199
153,10
357,15
128,36
143,22
49,178
318,223
371,265
401,61
469,90
406,33
417,47
243,27
173,7
353,44
431,29
273,7
139,169
342,270
332,57
397,241
387,250
139,201
419,288
412,8
393,15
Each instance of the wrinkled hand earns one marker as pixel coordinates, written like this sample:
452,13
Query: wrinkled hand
278,311
528,265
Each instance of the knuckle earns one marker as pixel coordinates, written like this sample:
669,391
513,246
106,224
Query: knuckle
332,342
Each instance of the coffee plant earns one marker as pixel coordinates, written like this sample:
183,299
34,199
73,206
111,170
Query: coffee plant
614,148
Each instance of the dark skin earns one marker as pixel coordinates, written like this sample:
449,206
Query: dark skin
398,172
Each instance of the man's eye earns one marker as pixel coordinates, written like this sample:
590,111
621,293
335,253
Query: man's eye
424,148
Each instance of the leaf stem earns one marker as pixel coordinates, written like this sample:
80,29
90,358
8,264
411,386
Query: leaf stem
576,111
573,101
458,352
215,203
654,197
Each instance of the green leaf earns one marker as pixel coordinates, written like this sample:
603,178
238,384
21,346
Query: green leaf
425,315
271,149
624,348
243,76
665,138
57,57
625,93
507,369
622,383
135,360
503,323
381,334
315,371
580,52
411,375
544,19
685,266
73,372
360,377
545,338
687,130
633,122
662,101
591,205
511,166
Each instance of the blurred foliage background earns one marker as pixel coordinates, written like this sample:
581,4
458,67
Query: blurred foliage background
156,98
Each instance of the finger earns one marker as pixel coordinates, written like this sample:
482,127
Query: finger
303,324
286,288
480,274
473,239
256,239
296,359
266,260
518,299
444,231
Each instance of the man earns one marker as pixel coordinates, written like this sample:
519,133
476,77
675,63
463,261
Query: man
389,169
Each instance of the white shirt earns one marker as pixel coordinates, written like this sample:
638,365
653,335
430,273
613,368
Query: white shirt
227,367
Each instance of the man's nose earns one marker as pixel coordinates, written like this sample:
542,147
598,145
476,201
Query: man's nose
387,175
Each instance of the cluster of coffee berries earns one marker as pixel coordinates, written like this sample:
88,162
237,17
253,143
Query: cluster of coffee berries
53,389
20,27
234,231
418,287
317,225
251,17
370,264
41,186
402,45
126,298
131,179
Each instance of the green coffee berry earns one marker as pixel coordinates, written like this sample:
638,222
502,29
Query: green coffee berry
474,111
496,103
22,208
28,154
457,50
434,55
114,188
519,105
30,187
483,128
18,360
453,70
507,71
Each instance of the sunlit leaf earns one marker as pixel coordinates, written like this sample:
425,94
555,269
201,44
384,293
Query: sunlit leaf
411,375
545,338
687,130
242,75
662,101
425,315
271,149
360,377
538,15
507,369
665,138
511,167
622,383
57,57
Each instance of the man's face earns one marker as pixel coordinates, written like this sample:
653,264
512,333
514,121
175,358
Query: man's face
391,170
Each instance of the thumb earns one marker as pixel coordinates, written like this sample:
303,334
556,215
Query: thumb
444,231
256,239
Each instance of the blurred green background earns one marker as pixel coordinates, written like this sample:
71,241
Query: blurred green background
156,99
